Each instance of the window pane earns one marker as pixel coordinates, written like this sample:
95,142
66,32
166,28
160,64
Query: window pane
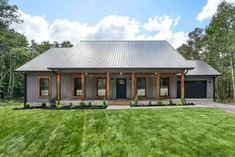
44,86
141,82
101,85
77,87
164,87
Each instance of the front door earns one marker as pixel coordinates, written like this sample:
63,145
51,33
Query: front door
121,88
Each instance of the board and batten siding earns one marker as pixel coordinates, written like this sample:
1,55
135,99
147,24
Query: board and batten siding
67,86
33,84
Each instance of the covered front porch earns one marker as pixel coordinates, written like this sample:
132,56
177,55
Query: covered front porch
72,86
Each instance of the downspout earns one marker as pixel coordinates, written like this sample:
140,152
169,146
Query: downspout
214,89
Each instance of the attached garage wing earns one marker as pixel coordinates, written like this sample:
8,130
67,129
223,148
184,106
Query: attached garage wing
193,89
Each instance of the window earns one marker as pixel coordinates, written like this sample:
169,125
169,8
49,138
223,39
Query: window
141,85
164,87
77,87
101,87
44,86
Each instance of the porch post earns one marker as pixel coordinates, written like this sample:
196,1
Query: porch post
133,85
182,85
158,86
108,86
58,83
83,86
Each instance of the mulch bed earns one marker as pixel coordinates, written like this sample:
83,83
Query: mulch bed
150,105
63,108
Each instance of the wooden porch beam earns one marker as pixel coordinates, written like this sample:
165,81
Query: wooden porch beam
133,90
158,86
83,86
182,85
108,85
58,85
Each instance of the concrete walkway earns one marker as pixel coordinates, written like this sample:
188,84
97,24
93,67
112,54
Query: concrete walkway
211,103
119,107
199,103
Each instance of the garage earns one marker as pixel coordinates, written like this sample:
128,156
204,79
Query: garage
193,89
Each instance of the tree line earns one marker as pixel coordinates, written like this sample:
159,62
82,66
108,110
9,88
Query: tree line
215,45
15,50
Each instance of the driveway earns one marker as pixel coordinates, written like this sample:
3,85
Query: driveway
211,103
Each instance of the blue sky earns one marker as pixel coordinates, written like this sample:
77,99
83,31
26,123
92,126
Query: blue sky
91,12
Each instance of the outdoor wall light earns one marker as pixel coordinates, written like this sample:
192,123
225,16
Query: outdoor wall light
120,73
155,73
86,73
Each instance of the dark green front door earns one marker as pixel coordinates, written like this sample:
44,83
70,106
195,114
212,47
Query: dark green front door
121,88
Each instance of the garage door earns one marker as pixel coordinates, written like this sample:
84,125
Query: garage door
193,89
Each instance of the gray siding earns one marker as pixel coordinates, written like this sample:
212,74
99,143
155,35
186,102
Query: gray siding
173,89
32,86
67,86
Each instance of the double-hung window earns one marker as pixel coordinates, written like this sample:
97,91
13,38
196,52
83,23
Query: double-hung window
77,87
44,86
141,86
101,87
164,87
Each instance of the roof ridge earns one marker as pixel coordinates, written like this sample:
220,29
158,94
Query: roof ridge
114,40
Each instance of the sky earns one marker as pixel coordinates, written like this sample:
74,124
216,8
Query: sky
76,20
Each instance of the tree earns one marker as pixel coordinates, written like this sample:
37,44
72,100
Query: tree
219,42
66,44
192,48
8,14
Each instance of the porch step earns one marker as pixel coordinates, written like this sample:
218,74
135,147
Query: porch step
119,102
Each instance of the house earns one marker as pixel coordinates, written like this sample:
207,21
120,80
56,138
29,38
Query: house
116,69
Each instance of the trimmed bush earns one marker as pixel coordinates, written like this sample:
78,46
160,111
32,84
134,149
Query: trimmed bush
82,103
179,103
159,103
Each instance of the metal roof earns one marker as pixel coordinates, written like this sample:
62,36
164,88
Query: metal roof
43,61
201,68
110,54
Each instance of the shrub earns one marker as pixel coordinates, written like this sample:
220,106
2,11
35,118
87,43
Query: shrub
89,103
70,104
82,103
182,99
171,102
136,101
105,103
52,102
58,104
179,103
44,104
27,106
159,103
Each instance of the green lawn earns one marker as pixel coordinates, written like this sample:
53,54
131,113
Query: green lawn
149,132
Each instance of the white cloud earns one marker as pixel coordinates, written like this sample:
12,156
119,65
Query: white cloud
164,27
109,27
210,9
34,27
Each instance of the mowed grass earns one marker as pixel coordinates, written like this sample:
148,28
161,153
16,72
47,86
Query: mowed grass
149,132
